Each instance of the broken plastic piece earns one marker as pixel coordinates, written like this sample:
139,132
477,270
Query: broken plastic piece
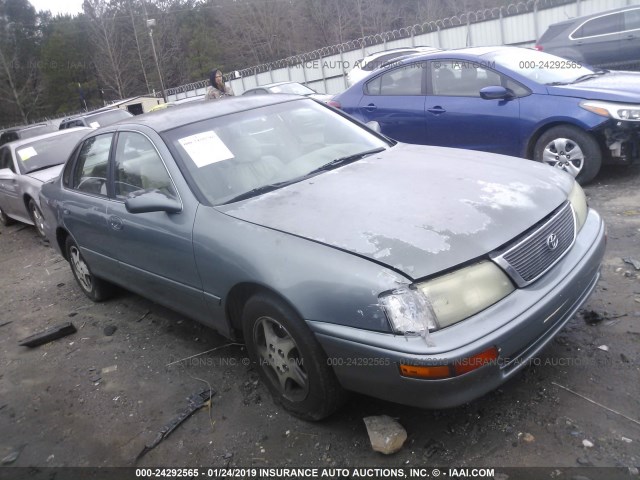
48,335
196,401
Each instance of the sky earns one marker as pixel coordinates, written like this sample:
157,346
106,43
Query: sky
72,7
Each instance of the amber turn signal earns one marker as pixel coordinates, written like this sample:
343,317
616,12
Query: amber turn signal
460,367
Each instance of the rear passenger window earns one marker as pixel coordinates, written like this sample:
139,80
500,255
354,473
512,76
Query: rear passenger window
601,26
90,175
138,166
406,80
632,19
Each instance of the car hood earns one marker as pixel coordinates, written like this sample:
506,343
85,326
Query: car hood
416,209
47,174
613,87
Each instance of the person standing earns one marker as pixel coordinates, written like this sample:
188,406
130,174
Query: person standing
217,89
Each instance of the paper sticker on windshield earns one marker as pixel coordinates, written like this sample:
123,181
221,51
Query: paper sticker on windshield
94,124
26,153
205,148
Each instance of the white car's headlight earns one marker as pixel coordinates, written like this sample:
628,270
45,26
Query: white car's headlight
579,203
448,299
619,111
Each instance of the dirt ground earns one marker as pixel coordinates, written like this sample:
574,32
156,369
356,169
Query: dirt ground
95,398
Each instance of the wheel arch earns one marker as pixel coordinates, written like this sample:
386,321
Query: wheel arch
237,298
533,139
61,239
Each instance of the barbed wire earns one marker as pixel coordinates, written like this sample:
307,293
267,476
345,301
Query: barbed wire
430,26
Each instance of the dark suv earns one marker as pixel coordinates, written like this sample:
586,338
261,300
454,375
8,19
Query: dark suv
608,39
95,119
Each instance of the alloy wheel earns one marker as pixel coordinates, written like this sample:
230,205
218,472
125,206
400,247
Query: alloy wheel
280,358
82,270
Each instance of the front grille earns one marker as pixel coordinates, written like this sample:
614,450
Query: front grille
530,257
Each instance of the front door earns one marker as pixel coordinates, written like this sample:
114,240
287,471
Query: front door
155,249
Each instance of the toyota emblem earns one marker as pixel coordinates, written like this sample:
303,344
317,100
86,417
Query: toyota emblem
552,241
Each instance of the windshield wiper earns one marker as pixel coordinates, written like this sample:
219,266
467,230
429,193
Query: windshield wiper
589,76
344,160
37,169
260,190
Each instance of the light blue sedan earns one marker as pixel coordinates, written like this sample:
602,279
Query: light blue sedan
345,261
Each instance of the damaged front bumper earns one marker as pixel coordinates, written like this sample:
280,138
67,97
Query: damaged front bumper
519,327
620,141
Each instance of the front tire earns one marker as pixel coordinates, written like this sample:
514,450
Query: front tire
5,220
93,287
37,218
289,358
570,149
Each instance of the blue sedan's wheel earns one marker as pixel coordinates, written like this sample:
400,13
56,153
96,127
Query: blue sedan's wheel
290,359
570,149
94,288
4,219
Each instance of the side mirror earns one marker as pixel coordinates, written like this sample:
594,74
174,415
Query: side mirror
495,93
375,126
7,174
151,201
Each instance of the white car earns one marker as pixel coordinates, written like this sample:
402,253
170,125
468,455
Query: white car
294,88
365,66
25,165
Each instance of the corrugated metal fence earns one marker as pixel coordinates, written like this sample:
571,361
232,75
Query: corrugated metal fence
325,69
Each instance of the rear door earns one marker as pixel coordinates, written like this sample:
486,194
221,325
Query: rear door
395,99
599,39
84,206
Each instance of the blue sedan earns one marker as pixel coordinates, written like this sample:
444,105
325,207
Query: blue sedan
507,100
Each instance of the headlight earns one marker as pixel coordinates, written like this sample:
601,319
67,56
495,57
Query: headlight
619,111
579,203
446,300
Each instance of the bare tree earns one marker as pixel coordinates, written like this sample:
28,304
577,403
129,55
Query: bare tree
112,56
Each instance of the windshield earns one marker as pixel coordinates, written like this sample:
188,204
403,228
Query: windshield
294,88
541,67
107,118
47,152
276,144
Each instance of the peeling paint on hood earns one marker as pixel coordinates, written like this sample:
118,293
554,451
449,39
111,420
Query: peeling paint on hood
416,209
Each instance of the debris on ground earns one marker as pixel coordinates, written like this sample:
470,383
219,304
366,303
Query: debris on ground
110,330
110,369
604,348
632,261
195,403
591,317
386,435
48,335
587,444
143,316
527,437
626,440
6,323
12,457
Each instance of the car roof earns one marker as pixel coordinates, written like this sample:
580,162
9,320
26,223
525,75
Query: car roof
275,84
89,114
24,127
194,112
23,141
582,18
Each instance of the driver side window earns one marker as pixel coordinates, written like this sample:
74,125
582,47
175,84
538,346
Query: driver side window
138,166
90,175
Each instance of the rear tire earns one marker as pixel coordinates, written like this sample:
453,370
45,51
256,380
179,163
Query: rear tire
289,358
94,288
570,149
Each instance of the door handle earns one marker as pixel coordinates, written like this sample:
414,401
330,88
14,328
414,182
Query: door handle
437,110
371,108
115,222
